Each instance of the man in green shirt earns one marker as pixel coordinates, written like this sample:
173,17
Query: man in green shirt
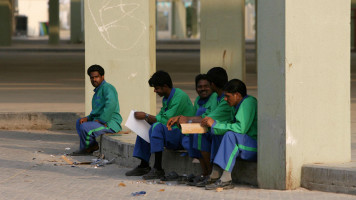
105,115
175,102
239,136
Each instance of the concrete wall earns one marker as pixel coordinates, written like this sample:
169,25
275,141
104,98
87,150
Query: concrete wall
304,87
121,38
222,37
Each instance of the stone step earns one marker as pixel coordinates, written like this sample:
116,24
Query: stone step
121,148
340,178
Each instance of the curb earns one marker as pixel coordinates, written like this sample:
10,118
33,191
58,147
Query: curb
39,120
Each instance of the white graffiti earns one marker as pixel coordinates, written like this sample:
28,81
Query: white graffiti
117,23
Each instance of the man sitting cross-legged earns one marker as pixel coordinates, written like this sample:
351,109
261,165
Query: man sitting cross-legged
175,102
240,136
208,146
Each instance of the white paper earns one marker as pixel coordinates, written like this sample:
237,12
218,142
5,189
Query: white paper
140,127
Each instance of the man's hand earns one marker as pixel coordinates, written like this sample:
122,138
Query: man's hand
207,122
82,120
172,121
140,115
176,120
101,123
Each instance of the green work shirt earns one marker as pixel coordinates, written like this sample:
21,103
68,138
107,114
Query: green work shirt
245,119
105,106
223,112
209,105
178,103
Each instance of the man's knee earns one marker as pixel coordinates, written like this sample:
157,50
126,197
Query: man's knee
157,130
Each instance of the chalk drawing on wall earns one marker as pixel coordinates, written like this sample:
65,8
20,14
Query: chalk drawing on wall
117,23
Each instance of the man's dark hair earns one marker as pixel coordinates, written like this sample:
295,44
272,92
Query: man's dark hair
236,85
200,77
96,68
160,78
218,76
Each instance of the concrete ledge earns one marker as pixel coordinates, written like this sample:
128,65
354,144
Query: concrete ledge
39,121
121,147
340,178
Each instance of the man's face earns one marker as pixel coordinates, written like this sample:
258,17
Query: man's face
203,89
160,90
96,79
233,98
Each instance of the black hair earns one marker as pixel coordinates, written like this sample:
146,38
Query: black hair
218,76
234,86
96,68
160,78
200,77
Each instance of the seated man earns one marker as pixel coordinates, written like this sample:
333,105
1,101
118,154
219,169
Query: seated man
208,147
240,136
203,105
105,115
175,102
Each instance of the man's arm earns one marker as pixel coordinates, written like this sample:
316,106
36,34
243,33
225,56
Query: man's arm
145,116
111,101
177,120
244,119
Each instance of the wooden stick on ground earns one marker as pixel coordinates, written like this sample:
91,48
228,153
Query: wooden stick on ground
69,162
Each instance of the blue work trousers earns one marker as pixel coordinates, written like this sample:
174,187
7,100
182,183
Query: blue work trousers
160,137
87,132
234,145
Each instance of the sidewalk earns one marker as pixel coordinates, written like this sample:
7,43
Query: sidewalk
31,168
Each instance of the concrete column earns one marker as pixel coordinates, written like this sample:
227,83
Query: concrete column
76,32
5,22
303,87
53,22
194,19
222,40
120,36
179,24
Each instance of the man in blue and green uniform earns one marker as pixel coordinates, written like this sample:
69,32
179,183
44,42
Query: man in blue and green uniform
204,104
175,102
208,143
105,115
239,136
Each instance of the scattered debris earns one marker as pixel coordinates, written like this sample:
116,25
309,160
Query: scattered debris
122,184
101,162
219,189
81,163
67,160
140,193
